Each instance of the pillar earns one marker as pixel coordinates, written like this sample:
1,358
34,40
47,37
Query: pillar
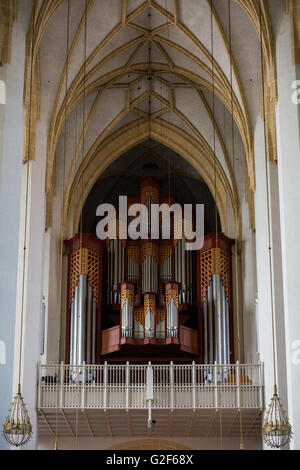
288,141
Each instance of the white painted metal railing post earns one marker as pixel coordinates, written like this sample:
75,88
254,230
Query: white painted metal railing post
260,384
83,385
127,385
171,385
194,385
238,384
39,385
216,385
61,384
105,386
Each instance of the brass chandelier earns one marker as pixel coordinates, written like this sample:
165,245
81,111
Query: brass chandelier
17,429
277,431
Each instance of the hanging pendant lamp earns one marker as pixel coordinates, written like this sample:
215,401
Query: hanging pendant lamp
277,431
17,429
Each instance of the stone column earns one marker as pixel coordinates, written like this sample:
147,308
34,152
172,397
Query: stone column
264,311
288,141
11,150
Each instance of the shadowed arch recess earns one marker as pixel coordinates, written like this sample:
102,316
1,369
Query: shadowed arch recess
149,444
126,138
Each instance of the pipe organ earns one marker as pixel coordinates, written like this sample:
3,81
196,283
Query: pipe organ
127,304
84,299
172,304
214,261
151,291
115,269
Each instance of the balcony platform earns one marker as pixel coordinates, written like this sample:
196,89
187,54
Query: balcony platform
183,400
133,423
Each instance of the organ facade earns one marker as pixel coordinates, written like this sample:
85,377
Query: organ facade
148,298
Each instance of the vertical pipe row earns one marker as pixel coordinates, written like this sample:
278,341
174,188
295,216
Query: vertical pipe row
75,329
187,264
94,331
166,270
81,334
220,314
72,321
179,275
149,275
83,323
216,334
176,262
116,262
191,276
210,325
89,324
205,332
112,260
183,273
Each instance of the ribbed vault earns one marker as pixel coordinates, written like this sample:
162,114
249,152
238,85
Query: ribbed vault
100,85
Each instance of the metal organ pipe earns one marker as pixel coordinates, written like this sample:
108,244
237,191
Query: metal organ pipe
216,334
191,276
75,330
214,267
226,334
149,275
166,270
94,332
81,319
183,271
127,303
85,283
178,265
116,261
172,297
217,318
133,270
187,257
72,320
209,299
149,314
112,258
108,272
205,333
83,323
176,262
89,324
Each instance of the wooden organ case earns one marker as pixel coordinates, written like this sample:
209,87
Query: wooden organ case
149,299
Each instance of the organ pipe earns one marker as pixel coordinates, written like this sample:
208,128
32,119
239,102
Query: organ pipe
84,298
172,302
83,323
215,281
149,275
149,314
127,304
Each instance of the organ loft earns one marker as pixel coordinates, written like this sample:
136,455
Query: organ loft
149,299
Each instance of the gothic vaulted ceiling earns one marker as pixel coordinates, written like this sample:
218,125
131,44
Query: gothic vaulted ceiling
160,69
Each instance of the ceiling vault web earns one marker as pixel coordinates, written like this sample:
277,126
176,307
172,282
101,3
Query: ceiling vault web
182,64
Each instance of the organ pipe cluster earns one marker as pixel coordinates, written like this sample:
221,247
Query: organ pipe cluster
216,300
151,282
84,298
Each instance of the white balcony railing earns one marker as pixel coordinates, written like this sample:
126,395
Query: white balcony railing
189,386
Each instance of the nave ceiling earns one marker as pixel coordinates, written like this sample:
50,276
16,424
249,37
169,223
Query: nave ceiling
146,68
